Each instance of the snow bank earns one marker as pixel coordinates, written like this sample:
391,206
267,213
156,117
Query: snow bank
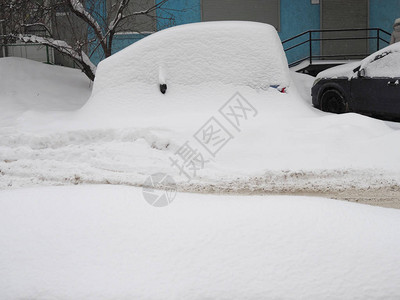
238,53
104,242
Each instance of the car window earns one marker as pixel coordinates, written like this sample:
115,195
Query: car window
386,64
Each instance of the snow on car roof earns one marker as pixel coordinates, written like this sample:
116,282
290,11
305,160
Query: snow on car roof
346,70
230,52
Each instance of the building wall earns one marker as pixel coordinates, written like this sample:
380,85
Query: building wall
296,16
382,15
97,54
124,40
184,11
301,15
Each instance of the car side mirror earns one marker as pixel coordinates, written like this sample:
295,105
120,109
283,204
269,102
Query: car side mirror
361,73
163,88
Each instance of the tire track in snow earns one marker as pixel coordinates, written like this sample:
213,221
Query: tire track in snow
128,156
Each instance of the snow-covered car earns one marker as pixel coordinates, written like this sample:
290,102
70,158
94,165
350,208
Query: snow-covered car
227,52
181,73
370,87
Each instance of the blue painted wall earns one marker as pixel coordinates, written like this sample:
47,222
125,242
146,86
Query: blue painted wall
382,15
300,15
122,41
183,12
101,8
175,12
296,17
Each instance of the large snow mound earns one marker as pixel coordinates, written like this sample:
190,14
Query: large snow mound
238,53
105,242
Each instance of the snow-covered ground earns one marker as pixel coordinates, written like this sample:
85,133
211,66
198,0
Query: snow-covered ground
106,242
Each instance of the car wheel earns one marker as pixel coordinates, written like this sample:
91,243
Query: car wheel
333,101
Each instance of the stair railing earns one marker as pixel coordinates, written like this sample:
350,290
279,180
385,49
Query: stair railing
309,36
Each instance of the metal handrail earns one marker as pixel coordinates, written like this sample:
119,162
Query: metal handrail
310,40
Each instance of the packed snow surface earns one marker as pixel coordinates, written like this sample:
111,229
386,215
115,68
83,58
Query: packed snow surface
105,242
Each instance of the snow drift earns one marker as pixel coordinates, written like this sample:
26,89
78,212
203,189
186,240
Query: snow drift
30,85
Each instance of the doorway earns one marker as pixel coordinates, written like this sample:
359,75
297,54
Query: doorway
344,14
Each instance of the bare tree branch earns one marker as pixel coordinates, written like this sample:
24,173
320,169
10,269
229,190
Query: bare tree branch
79,56
78,9
39,24
66,25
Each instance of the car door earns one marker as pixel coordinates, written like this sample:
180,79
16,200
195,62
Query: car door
377,91
376,96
